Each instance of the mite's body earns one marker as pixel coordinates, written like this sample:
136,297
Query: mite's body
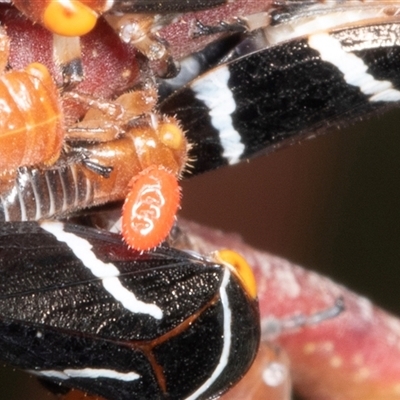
92,174
112,142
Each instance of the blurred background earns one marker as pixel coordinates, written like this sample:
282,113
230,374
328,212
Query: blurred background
331,204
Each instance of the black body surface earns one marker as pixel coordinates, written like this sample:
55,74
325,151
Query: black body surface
286,93
164,6
55,315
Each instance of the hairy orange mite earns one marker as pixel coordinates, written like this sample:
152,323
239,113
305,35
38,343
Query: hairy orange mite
114,141
150,207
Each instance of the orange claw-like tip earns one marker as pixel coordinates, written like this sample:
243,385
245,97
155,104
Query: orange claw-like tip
240,267
69,18
150,208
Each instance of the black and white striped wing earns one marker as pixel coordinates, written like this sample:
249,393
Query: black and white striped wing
293,90
79,308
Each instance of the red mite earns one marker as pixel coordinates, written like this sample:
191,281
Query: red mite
115,141
91,173
152,150
150,207
154,154
97,167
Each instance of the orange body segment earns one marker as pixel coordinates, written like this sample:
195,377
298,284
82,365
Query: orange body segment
240,267
30,120
139,149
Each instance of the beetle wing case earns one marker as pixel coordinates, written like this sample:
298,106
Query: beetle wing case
81,309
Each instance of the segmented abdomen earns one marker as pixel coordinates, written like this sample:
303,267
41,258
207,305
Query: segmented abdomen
91,175
39,194
30,119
